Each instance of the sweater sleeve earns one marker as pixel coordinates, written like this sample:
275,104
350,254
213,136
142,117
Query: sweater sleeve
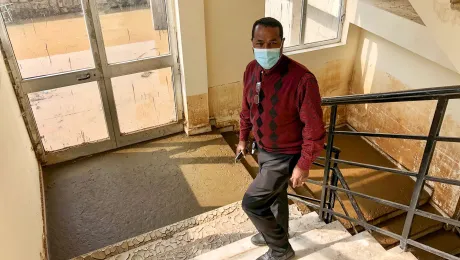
245,120
311,114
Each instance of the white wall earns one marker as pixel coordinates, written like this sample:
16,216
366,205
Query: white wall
401,31
443,21
21,222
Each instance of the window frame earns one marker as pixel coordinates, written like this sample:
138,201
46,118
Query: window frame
304,46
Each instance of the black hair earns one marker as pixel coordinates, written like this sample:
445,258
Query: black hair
268,22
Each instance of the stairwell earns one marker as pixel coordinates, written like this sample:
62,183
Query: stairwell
224,233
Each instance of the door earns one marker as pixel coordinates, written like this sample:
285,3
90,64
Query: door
94,75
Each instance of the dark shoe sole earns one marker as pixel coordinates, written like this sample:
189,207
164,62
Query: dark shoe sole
258,244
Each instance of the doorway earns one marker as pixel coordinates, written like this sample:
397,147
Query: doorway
94,75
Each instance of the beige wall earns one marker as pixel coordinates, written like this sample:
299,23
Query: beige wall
21,222
229,51
228,35
190,20
382,66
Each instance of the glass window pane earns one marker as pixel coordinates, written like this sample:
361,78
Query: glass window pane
132,32
323,20
289,13
69,116
144,100
47,38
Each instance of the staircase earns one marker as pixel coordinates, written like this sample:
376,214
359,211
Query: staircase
331,241
225,233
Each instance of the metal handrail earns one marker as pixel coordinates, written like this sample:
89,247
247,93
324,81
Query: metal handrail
337,176
442,95
450,92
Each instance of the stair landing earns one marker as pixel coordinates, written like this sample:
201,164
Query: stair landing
100,200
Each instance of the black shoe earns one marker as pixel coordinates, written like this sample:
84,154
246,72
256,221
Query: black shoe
258,240
271,256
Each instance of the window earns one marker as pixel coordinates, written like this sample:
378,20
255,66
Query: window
307,23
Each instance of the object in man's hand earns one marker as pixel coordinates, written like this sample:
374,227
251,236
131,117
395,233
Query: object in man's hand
239,156
254,148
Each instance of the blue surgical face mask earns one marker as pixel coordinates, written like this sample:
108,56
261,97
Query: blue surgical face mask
267,58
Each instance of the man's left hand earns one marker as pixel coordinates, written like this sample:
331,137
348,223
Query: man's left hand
299,176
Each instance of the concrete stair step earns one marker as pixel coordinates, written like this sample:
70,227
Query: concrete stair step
306,243
330,241
297,227
232,211
359,247
396,255
443,240
398,251
229,224
213,242
421,227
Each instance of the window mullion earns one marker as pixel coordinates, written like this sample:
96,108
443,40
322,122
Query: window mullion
303,22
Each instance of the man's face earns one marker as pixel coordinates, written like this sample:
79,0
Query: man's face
267,38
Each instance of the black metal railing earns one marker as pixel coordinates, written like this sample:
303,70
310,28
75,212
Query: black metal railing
336,176
332,172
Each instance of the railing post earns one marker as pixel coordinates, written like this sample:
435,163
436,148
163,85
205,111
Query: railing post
332,195
424,167
327,164
334,182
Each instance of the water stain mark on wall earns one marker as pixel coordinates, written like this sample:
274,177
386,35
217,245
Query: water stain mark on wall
410,118
198,110
225,103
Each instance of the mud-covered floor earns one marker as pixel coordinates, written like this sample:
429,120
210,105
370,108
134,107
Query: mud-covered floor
98,201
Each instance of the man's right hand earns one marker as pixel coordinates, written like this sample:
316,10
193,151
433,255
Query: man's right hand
241,147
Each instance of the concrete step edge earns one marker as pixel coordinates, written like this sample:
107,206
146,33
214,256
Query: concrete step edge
298,228
305,244
398,250
358,247
161,233
422,233
214,235
379,220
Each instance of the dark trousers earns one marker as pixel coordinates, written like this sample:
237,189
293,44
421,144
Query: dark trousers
266,203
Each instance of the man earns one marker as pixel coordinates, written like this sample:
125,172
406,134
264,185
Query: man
282,107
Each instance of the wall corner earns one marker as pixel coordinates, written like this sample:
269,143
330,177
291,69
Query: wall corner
191,36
